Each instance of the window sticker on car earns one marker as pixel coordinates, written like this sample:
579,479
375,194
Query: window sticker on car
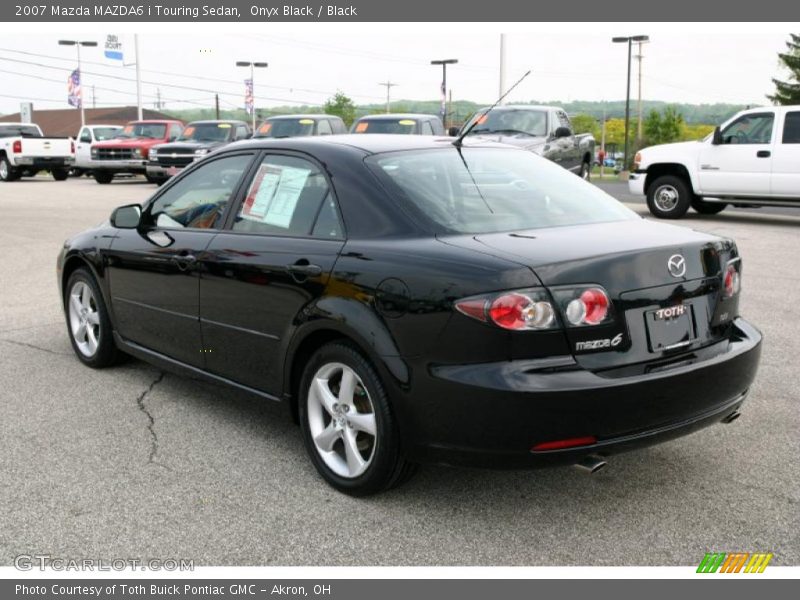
406,122
362,127
306,121
265,128
188,131
224,125
274,194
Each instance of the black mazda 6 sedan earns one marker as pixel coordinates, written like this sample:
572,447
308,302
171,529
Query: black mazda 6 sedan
413,300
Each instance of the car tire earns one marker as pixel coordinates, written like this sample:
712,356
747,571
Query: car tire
586,171
351,437
668,197
88,324
154,179
60,174
7,172
707,208
101,177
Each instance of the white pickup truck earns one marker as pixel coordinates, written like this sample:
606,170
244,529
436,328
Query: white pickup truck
753,159
89,134
24,151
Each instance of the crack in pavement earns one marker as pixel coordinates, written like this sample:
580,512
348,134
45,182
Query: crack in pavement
35,347
151,422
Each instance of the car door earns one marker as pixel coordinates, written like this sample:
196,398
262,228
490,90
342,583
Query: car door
83,149
273,259
742,164
152,271
786,158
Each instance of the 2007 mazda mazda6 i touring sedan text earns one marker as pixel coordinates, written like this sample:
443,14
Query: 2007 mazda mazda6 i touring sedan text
415,300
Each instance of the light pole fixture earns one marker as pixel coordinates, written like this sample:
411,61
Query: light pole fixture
253,66
628,40
444,63
78,44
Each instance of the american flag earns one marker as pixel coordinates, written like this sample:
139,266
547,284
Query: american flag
74,95
248,96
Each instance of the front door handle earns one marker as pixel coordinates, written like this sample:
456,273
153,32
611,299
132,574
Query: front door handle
763,154
185,260
303,268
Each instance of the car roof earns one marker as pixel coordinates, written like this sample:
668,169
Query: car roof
541,107
215,121
300,116
369,144
393,116
104,125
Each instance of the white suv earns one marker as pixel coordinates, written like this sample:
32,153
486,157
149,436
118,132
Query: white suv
753,159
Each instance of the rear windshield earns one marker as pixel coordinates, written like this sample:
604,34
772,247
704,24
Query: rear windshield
150,131
19,131
282,128
401,126
206,132
484,190
510,121
102,134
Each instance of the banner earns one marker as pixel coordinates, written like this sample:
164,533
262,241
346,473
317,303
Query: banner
248,96
74,92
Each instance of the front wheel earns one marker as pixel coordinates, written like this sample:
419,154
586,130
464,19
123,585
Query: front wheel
88,323
103,177
586,171
348,427
668,197
707,208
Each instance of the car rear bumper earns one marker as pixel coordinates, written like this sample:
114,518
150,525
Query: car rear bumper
636,183
492,415
44,162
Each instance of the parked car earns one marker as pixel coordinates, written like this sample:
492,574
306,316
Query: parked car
545,130
91,134
283,126
128,152
198,139
753,159
409,124
24,151
414,301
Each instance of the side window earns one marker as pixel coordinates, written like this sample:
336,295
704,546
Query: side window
86,136
563,120
198,200
241,132
324,127
426,128
338,126
791,128
750,129
175,131
289,196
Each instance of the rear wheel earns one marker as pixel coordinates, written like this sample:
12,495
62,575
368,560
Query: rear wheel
88,323
103,177
60,174
348,427
668,197
586,171
707,208
7,172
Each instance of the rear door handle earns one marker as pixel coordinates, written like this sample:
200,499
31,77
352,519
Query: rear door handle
763,154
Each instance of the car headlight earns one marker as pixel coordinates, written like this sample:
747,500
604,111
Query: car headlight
153,153
637,160
94,152
201,152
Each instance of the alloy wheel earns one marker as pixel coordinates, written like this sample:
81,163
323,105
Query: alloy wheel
3,170
84,318
666,198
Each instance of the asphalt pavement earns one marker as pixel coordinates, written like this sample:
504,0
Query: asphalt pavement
135,463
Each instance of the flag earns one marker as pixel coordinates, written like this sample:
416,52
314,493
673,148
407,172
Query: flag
74,94
248,96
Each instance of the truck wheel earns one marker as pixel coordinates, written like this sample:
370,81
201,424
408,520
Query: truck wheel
668,197
7,172
707,208
586,171
101,177
60,174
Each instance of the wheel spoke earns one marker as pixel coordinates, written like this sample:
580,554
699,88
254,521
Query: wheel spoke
80,333
327,437
91,340
355,462
324,394
86,296
347,387
93,318
75,303
363,422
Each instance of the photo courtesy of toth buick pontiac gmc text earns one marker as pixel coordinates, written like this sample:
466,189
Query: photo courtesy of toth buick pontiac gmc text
418,300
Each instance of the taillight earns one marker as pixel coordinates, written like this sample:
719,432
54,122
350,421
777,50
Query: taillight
584,305
17,146
72,147
524,310
731,281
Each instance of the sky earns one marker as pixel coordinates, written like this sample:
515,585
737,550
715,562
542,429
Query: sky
681,64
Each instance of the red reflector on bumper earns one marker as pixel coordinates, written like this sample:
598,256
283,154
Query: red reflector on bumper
568,443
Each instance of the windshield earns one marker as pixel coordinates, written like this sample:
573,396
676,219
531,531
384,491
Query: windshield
401,126
106,133
282,128
26,131
206,132
484,190
151,131
512,122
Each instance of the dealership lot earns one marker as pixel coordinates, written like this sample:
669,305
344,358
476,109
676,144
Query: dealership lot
129,462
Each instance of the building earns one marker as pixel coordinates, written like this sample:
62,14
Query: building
66,122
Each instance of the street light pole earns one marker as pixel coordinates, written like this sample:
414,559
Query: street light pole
78,44
389,85
444,63
252,65
628,40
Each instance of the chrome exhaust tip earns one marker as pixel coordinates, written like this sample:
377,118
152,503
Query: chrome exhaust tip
732,417
591,464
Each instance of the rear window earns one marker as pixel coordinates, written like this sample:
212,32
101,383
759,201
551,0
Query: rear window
484,190
401,126
283,128
512,121
206,132
106,133
150,131
19,131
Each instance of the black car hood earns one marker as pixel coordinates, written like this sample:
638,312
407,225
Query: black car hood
621,255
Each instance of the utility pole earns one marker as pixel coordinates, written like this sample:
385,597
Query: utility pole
629,41
216,106
444,63
94,100
252,65
389,85
449,107
78,44
502,66
639,57
139,112
158,98
603,144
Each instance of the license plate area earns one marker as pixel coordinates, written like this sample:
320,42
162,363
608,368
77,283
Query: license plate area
670,328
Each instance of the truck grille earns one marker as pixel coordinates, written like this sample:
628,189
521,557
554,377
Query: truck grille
114,153
175,159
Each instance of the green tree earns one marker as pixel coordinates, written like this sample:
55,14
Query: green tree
788,92
586,124
664,127
341,106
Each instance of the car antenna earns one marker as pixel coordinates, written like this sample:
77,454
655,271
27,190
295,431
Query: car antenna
457,143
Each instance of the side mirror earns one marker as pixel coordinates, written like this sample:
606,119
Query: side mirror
563,132
453,131
126,217
716,139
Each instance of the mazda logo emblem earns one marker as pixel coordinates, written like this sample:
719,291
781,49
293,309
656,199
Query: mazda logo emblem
676,265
